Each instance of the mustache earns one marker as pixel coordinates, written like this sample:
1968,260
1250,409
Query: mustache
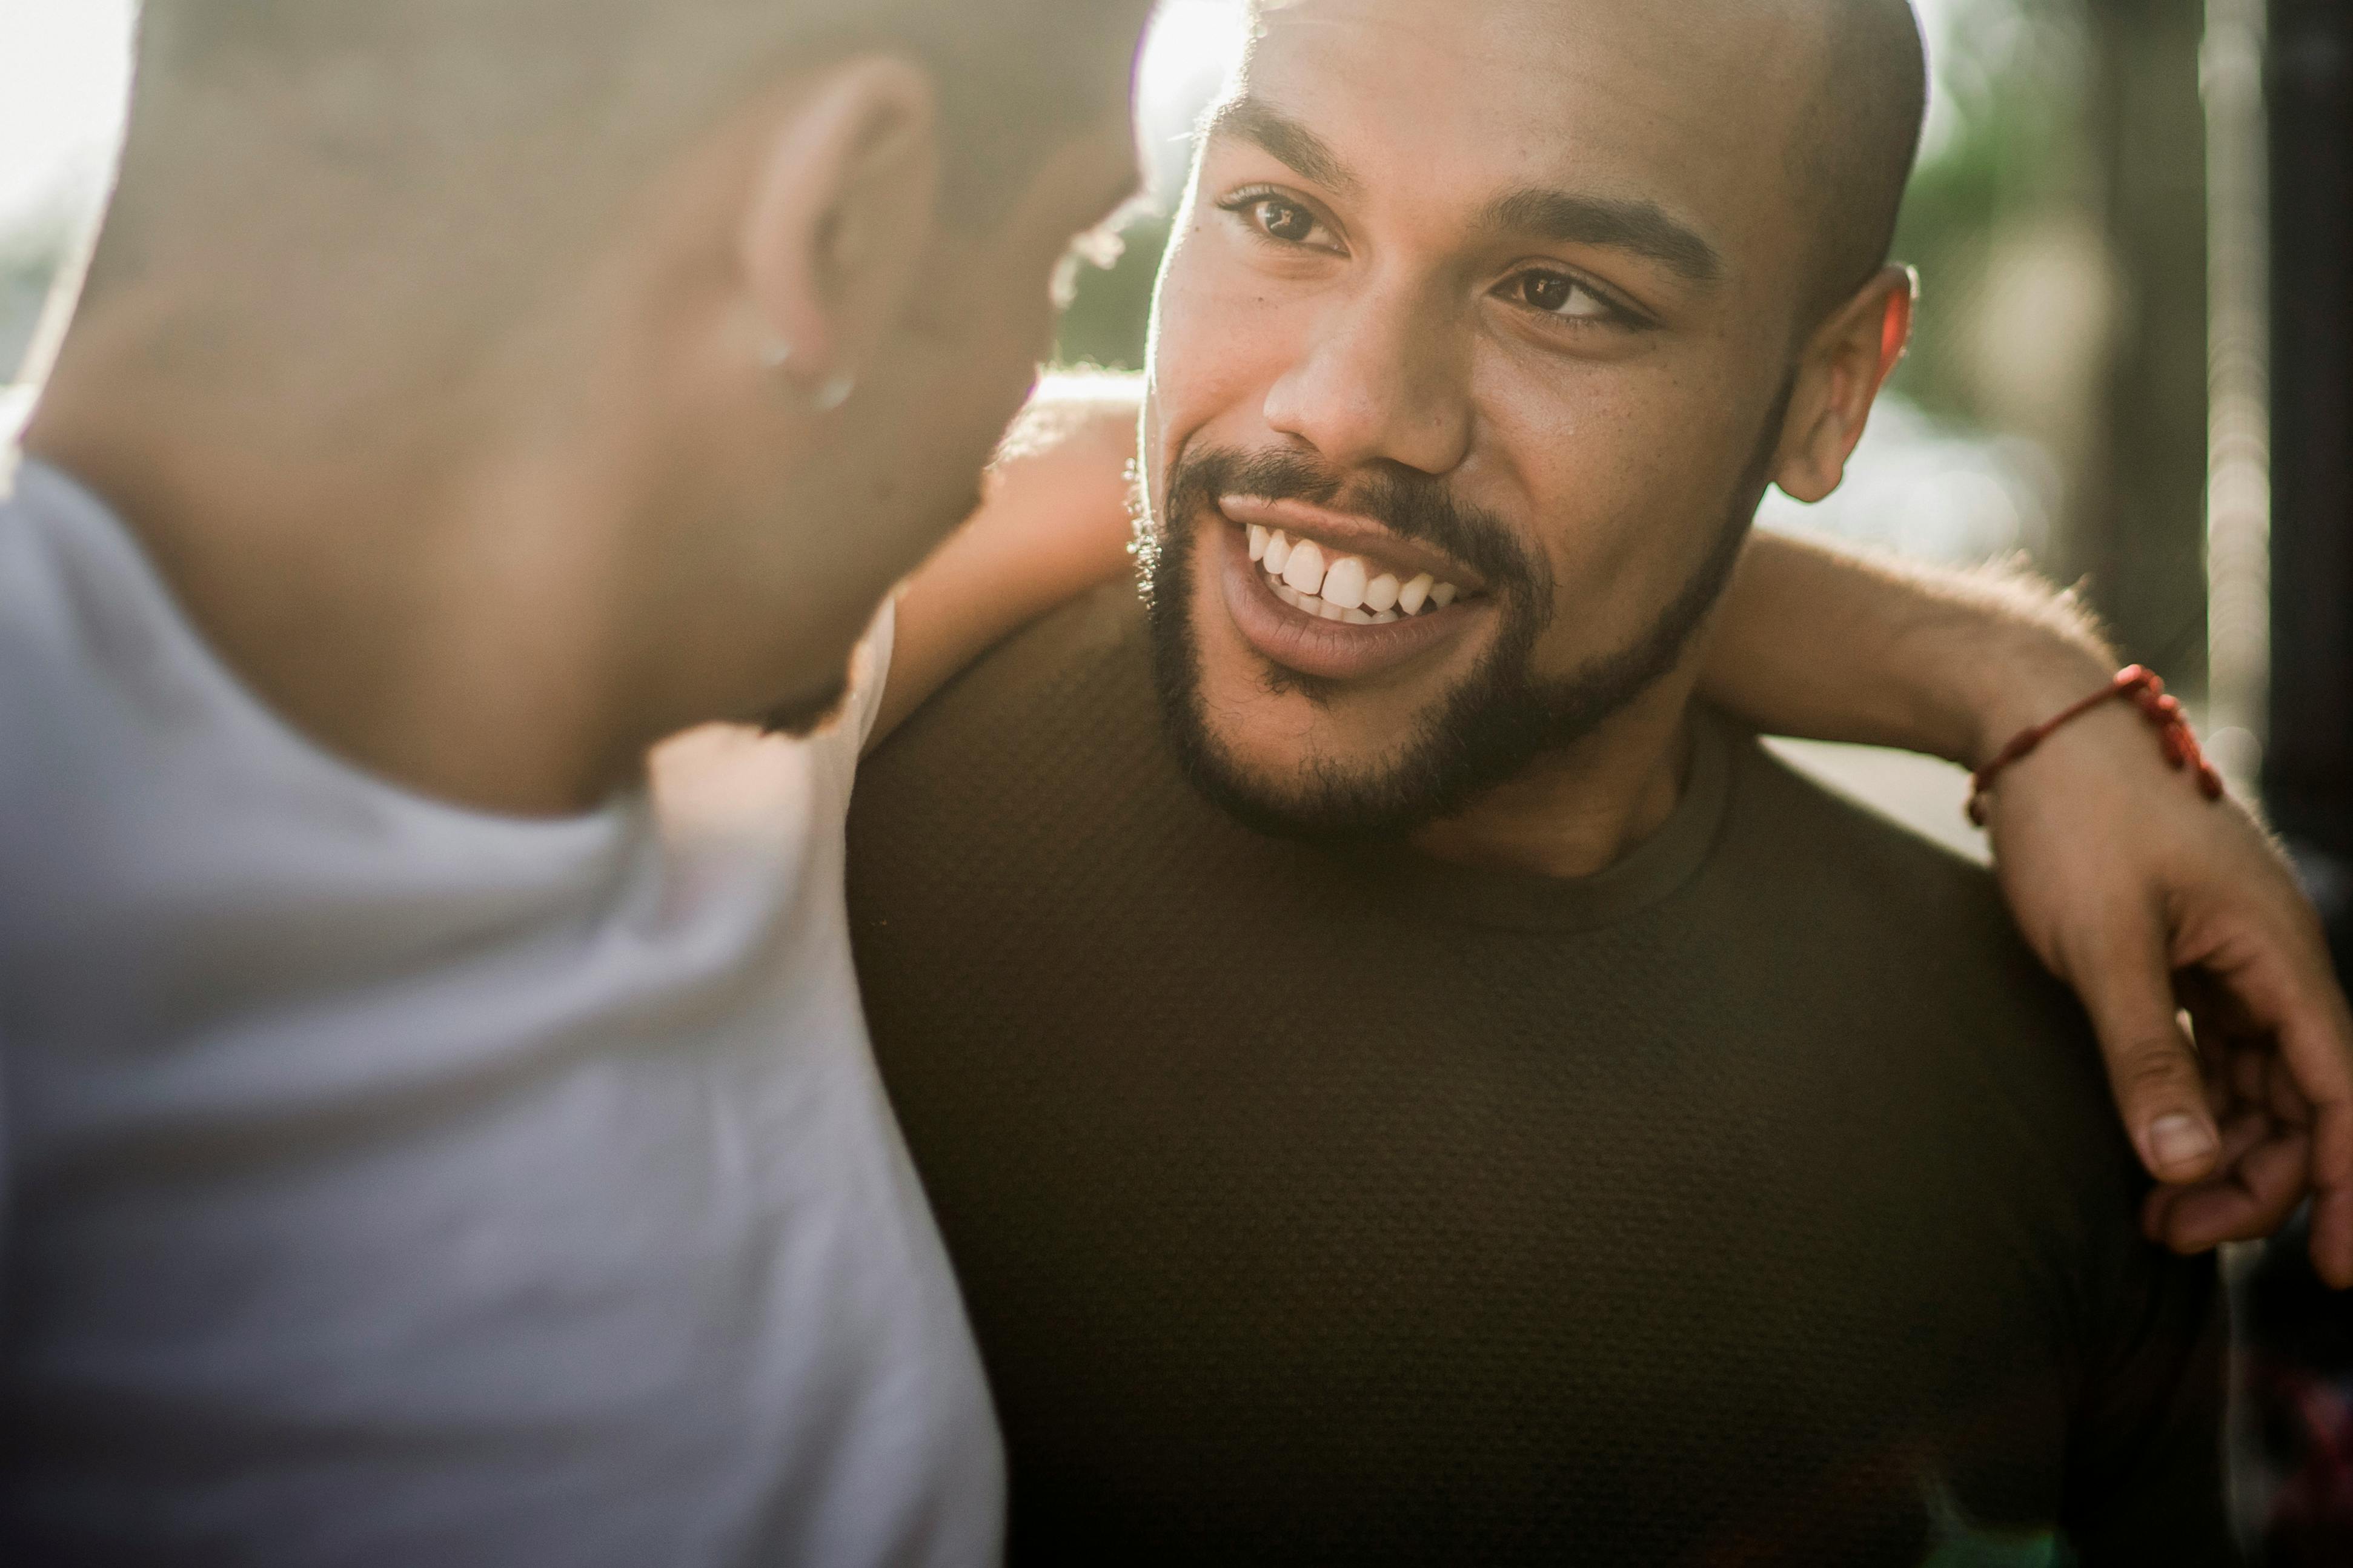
1419,507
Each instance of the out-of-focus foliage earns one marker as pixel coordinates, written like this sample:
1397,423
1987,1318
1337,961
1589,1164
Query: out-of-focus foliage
1104,322
23,285
30,253
2008,151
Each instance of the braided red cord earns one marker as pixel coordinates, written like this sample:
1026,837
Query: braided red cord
2144,691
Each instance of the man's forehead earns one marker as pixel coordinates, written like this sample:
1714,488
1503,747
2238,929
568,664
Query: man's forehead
1687,105
1702,37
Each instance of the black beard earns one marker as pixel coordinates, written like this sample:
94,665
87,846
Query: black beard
1494,722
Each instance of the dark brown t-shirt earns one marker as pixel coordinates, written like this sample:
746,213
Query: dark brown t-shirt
1759,1200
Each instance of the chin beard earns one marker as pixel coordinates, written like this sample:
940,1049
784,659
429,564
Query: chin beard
1491,724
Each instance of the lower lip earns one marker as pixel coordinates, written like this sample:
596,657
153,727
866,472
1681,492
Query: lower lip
1309,644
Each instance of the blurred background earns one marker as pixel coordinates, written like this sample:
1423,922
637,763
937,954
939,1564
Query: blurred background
64,72
2133,223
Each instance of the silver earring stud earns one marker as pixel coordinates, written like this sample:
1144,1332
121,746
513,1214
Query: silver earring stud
776,354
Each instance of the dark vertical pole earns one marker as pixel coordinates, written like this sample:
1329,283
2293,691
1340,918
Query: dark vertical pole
2297,1365
2146,516
2308,771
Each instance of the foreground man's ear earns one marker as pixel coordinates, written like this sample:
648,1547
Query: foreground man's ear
842,204
1850,357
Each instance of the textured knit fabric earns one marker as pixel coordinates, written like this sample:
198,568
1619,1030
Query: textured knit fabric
1757,1201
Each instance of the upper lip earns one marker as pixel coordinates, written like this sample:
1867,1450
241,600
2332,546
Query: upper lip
1349,533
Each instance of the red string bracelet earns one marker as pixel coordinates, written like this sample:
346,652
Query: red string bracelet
2145,691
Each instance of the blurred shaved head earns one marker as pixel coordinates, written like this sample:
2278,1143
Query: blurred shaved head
601,362
518,122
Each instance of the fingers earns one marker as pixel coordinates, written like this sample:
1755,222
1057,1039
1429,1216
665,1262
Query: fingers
2152,1067
2286,987
2320,1060
2263,1180
2265,1115
2332,1236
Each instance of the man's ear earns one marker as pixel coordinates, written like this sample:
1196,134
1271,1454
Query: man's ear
843,203
1849,358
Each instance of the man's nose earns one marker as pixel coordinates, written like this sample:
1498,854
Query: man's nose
1382,378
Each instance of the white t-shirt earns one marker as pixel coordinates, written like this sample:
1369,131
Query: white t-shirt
390,1183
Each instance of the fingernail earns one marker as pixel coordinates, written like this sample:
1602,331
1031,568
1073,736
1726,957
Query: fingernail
2179,1143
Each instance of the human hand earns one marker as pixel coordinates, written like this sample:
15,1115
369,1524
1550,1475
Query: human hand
2152,902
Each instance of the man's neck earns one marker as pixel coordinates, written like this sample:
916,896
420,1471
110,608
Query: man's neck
1577,811
435,608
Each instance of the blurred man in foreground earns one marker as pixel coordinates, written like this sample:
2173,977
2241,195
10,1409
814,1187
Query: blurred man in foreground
421,1146
1559,1133
425,1141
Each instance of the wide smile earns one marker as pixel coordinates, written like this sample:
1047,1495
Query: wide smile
1328,595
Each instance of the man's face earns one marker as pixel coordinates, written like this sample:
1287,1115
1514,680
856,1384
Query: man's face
1469,360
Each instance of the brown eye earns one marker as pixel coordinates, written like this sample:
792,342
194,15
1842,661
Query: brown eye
1546,290
1559,295
1285,220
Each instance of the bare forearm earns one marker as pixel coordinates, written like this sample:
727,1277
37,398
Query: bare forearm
1054,523
1818,641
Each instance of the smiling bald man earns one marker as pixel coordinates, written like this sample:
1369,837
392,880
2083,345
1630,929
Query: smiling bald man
1498,1114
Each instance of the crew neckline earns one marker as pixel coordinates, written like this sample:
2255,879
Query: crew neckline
1529,901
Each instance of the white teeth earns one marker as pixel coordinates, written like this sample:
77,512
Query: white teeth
1343,583
1297,573
1304,570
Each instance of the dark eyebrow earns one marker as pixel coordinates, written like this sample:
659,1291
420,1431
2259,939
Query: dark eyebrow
1275,132
1640,227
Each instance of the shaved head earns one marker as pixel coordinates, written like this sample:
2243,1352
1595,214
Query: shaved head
526,120
614,71
1856,142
